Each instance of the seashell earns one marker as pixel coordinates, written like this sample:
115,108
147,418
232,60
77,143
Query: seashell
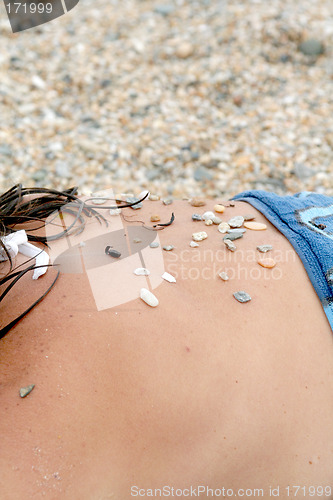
168,277
255,226
148,297
141,271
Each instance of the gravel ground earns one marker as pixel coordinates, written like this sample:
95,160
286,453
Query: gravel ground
206,97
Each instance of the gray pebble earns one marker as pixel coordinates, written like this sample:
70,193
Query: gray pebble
248,217
216,220
132,199
242,296
154,244
230,245
164,9
196,217
237,221
167,201
312,47
237,230
264,248
112,252
168,247
24,391
233,236
202,174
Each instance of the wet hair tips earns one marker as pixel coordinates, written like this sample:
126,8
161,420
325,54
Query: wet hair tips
28,209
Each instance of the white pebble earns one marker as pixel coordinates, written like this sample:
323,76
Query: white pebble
193,244
148,297
208,215
141,271
208,222
168,277
223,227
202,235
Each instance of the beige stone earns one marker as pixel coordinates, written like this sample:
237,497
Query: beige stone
197,202
155,218
268,262
219,208
255,226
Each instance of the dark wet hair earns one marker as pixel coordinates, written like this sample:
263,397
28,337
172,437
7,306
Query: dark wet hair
15,210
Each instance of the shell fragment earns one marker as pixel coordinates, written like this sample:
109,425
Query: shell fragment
141,271
148,297
168,277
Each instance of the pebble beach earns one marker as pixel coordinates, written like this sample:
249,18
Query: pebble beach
184,98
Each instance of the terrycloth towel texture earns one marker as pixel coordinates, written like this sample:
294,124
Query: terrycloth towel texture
306,219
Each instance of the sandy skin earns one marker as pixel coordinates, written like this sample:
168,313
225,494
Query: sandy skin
201,390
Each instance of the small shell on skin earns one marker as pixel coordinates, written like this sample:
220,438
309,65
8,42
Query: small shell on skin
148,297
202,235
168,277
155,218
24,391
255,226
223,227
141,271
208,215
267,262
219,208
223,275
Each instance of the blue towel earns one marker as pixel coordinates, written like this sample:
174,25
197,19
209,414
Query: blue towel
306,219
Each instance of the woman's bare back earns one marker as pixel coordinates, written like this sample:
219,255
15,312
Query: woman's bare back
199,391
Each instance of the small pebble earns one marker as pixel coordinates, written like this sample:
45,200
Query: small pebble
154,244
268,262
98,200
24,391
208,222
216,220
237,230
154,197
112,252
196,217
233,236
193,244
219,208
197,202
168,248
148,297
137,240
132,199
167,201
115,211
82,244
237,221
231,203
141,271
224,276
230,245
199,236
168,277
248,217
155,218
242,296
255,226
208,215
264,248
223,227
